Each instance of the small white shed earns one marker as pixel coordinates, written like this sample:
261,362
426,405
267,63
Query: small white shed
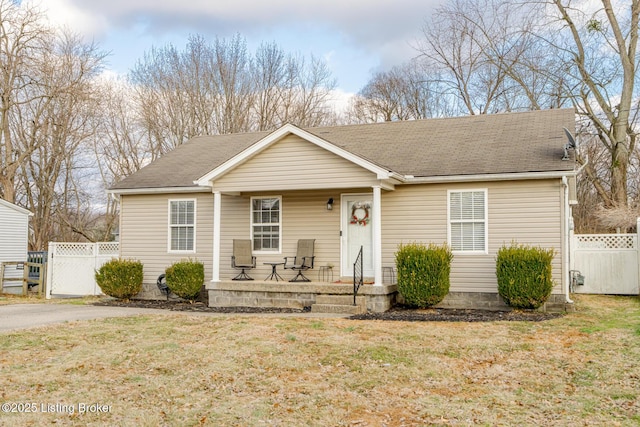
14,240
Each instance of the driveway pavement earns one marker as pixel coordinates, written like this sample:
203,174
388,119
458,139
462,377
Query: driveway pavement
23,316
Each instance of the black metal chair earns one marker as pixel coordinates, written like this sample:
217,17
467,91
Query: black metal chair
302,261
242,258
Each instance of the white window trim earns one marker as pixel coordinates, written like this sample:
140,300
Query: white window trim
169,226
486,220
263,252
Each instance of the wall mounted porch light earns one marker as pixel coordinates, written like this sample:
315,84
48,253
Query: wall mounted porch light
330,204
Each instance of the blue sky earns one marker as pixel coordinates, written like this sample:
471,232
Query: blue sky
356,37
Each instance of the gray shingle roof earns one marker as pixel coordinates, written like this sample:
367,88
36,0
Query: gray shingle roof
487,144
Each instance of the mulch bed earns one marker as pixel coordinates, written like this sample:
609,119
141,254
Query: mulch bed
396,313
457,315
196,306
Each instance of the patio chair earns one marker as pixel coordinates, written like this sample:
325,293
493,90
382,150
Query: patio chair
242,258
302,261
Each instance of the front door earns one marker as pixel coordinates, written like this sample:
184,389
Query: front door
357,231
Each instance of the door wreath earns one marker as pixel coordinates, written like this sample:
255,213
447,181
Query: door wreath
360,220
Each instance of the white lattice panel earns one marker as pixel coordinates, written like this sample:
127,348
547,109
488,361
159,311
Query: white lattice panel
108,248
606,241
73,249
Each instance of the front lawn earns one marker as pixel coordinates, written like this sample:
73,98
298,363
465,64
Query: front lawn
181,369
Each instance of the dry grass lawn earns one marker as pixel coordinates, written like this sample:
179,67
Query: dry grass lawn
33,298
178,369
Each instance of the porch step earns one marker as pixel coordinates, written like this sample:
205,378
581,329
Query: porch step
339,299
339,304
338,308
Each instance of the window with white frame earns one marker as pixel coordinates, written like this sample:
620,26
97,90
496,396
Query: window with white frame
468,220
182,225
266,223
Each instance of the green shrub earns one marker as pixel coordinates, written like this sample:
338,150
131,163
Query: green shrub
185,279
524,275
423,273
120,278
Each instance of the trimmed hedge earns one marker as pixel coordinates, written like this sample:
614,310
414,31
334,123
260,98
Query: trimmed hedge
423,273
524,275
120,278
185,278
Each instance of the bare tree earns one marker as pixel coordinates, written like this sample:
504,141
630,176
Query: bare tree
219,87
204,90
56,126
161,91
121,144
270,72
23,39
406,92
600,63
453,43
121,148
313,94
490,58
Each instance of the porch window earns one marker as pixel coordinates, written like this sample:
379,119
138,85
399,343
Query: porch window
182,225
266,223
468,221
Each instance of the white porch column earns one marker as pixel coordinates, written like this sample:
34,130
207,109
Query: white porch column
377,235
217,200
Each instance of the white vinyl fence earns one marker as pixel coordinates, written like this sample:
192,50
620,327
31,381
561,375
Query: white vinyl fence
72,267
610,263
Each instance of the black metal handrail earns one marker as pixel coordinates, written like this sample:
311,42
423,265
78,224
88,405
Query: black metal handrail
357,275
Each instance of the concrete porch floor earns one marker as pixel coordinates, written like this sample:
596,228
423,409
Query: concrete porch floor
330,297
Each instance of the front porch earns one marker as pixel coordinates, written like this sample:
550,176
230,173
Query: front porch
319,296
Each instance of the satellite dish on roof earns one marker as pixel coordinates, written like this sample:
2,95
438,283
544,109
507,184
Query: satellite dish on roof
570,144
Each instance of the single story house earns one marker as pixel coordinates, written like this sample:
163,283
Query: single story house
14,242
475,183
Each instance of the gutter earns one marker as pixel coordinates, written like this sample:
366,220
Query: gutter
159,190
410,179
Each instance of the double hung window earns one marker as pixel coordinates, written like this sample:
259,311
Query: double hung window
182,225
266,225
468,221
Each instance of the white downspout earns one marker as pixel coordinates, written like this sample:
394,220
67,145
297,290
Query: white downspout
567,241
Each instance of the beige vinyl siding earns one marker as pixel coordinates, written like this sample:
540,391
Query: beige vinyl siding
144,232
293,164
528,212
304,216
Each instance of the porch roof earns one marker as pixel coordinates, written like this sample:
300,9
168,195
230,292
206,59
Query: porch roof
512,143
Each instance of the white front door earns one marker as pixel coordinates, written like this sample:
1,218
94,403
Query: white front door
357,231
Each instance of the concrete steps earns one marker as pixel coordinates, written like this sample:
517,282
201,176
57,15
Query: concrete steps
339,304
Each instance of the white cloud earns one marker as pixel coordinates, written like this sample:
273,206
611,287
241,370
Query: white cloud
64,13
340,100
364,22
375,34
